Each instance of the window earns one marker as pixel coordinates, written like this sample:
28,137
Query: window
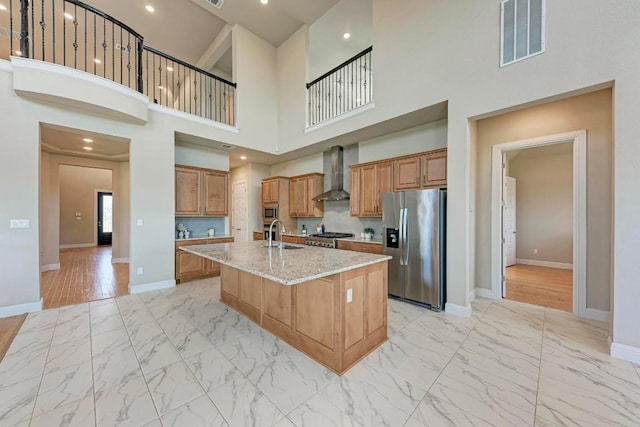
522,25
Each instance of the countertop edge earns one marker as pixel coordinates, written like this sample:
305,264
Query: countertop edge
203,238
289,282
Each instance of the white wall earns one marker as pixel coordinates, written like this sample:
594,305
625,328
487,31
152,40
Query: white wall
254,70
308,164
78,187
544,203
201,157
414,140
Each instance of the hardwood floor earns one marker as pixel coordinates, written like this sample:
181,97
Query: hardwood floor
86,274
549,287
9,327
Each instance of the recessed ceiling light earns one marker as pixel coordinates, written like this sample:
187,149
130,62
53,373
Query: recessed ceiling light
169,68
87,139
18,52
68,15
264,1
97,61
3,7
346,35
150,8
243,157
88,148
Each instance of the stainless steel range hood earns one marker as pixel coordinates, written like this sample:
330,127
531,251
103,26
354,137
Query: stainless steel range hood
337,179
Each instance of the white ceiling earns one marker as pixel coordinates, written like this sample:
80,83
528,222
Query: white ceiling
67,141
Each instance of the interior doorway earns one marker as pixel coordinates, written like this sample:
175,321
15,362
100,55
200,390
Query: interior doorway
532,279
239,211
84,216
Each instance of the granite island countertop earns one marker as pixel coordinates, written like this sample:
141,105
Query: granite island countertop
285,266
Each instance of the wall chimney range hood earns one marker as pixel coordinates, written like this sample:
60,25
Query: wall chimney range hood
337,191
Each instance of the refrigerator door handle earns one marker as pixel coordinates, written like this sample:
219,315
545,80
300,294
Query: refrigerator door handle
401,236
405,250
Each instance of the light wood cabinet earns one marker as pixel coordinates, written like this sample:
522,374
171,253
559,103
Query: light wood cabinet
215,193
270,190
201,192
374,179
188,191
257,235
371,248
302,190
190,266
293,239
406,174
370,180
434,170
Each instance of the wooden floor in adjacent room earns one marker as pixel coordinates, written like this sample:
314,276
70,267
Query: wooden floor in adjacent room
86,274
549,287
9,327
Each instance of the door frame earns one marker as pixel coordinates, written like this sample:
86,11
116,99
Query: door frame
579,139
96,191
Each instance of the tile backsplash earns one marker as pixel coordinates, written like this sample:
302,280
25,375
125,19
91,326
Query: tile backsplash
199,226
337,218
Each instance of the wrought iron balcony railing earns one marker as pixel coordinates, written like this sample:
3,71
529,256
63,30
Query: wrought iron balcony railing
76,35
346,87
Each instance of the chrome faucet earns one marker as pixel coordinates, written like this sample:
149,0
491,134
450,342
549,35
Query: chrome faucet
270,244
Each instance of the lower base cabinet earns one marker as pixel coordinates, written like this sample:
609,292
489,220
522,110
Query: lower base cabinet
190,266
314,316
371,248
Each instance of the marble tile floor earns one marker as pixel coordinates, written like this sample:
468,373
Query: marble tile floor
181,358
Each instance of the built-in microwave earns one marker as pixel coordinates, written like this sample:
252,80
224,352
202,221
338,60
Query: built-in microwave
269,213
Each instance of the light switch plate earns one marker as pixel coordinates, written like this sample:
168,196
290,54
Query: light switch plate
19,223
140,222
140,271
349,295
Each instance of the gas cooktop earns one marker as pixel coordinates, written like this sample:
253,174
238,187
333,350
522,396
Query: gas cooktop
332,235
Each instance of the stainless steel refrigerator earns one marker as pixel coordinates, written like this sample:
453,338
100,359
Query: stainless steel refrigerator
414,231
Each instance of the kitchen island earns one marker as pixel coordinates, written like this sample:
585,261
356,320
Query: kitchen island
328,303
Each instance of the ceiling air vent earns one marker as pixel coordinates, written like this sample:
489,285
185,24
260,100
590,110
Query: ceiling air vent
227,146
216,3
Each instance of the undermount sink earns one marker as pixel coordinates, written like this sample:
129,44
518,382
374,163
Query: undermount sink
282,246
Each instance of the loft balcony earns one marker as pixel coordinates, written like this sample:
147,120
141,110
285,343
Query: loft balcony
76,35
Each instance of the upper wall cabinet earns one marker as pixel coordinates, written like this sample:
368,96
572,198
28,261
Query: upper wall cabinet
370,180
201,192
302,190
270,190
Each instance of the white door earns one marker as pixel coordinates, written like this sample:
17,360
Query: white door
509,221
239,211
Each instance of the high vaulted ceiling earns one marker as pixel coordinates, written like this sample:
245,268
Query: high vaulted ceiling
185,28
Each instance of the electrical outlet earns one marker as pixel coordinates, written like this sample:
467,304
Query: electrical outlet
140,271
535,251
140,223
349,295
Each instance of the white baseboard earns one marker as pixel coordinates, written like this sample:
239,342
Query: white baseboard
78,245
14,310
457,310
472,295
485,293
153,286
595,314
119,260
50,267
625,352
549,264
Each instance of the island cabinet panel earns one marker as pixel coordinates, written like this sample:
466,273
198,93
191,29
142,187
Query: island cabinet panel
278,302
250,295
229,281
376,301
354,311
315,307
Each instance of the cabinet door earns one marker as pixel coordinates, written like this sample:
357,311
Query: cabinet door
315,186
289,239
189,265
406,174
298,197
434,170
354,201
188,200
368,196
215,196
257,235
273,191
384,183
265,192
